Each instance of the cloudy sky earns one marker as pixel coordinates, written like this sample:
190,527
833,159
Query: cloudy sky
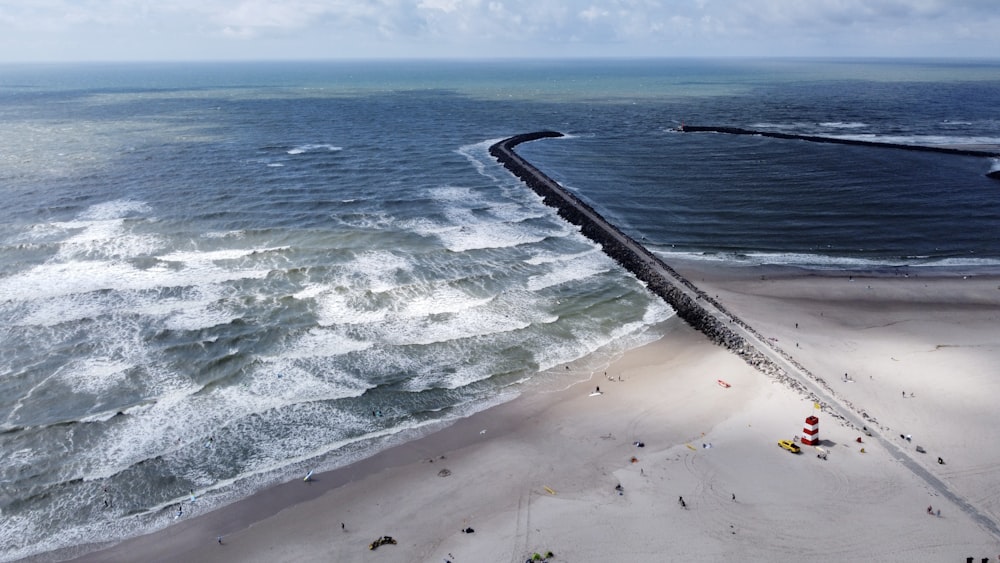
109,30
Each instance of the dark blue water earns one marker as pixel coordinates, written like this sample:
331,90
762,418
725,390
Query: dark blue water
212,275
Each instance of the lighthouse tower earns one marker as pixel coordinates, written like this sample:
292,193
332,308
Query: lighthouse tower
811,431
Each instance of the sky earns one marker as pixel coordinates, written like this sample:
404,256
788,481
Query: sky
215,30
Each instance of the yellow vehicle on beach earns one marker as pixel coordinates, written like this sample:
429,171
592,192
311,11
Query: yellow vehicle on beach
790,446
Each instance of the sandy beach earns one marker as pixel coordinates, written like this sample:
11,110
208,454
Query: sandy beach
539,474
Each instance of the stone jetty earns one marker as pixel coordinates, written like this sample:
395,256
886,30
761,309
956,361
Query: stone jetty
691,304
838,140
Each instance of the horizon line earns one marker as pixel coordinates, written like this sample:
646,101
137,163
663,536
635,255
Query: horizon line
516,58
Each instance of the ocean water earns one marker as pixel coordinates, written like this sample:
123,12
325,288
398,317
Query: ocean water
218,277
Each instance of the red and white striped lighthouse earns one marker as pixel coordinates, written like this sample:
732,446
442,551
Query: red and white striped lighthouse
811,431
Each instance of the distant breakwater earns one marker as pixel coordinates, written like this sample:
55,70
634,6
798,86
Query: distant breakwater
683,296
837,141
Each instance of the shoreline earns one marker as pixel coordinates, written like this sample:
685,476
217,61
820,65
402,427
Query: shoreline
286,510
670,401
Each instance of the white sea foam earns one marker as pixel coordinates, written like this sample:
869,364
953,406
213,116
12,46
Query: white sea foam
201,258
336,306
417,314
439,301
517,213
61,309
487,235
438,379
196,316
458,326
924,140
551,257
779,126
478,154
94,376
322,342
843,124
237,234
115,209
100,232
468,228
454,194
314,147
284,381
60,279
569,271
380,269
92,258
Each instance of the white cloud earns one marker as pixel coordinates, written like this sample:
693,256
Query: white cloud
331,28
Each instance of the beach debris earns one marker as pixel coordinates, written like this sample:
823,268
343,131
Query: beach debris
549,490
920,449
444,473
381,541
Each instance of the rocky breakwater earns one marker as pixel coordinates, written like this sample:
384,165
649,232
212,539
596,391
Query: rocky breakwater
691,304
957,150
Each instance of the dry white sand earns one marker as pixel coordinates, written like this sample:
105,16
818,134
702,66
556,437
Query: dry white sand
543,474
